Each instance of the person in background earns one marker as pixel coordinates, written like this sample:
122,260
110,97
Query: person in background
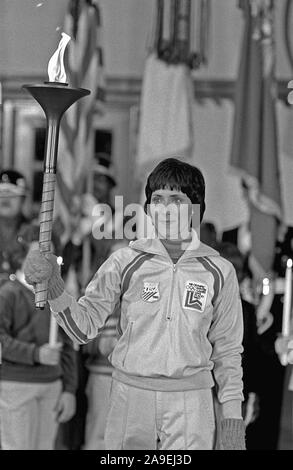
38,381
208,234
264,434
13,221
251,356
13,191
284,347
103,183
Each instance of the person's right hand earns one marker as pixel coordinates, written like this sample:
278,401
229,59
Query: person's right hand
39,268
284,346
50,355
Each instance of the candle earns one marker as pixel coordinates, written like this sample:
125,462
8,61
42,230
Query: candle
53,331
287,299
287,305
263,312
266,286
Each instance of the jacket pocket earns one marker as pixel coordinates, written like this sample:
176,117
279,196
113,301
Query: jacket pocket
129,332
203,348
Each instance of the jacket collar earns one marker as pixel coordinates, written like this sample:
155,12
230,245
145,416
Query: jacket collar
153,245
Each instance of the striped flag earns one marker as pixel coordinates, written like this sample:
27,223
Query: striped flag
255,143
177,44
84,68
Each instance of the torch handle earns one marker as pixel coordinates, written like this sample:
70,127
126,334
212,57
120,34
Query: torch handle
46,223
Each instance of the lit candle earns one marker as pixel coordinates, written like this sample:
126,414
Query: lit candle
263,312
287,299
266,286
287,305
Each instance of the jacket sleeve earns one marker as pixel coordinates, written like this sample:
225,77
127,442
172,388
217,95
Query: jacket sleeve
82,320
69,365
13,350
226,335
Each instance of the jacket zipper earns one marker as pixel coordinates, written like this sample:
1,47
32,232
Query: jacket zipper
169,313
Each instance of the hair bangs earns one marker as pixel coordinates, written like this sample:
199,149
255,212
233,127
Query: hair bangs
169,178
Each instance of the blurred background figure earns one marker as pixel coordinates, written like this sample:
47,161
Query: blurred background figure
13,191
208,234
85,263
251,356
38,381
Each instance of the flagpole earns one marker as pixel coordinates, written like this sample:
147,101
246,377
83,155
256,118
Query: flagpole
86,245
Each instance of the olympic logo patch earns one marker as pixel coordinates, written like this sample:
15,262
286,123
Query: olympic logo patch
195,296
150,292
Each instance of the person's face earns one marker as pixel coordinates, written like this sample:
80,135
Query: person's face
171,213
102,188
10,205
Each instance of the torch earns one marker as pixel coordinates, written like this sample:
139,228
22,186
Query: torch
55,97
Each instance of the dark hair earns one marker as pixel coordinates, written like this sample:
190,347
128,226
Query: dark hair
177,175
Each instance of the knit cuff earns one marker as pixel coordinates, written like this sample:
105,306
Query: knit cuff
56,287
233,434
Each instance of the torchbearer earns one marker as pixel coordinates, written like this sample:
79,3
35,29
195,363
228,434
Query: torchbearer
55,97
180,325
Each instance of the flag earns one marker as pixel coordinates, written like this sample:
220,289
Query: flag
255,142
84,68
165,128
177,44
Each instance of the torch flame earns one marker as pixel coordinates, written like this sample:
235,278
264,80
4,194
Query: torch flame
56,69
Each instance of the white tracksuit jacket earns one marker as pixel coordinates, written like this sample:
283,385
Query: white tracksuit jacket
180,325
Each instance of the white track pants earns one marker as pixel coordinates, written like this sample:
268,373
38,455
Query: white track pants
150,420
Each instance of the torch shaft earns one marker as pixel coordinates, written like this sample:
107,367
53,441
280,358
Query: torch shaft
46,223
47,205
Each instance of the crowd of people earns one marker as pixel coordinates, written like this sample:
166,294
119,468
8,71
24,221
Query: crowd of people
58,397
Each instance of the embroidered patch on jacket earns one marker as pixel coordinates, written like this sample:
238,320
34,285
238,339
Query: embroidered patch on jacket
195,296
150,292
